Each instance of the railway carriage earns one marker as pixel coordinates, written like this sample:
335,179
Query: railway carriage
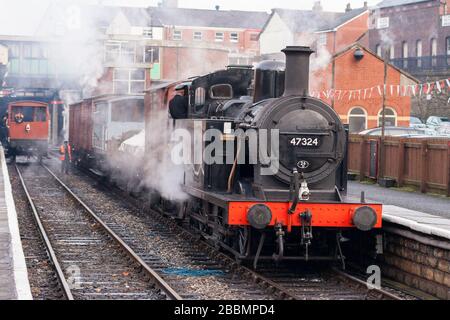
27,124
99,125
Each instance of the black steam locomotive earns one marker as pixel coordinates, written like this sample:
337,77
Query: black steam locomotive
269,178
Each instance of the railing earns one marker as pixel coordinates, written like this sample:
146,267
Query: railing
423,64
424,163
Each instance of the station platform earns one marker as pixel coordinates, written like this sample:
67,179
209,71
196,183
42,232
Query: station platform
14,283
425,214
421,222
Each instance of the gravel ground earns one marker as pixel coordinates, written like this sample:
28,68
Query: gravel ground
184,267
95,266
410,200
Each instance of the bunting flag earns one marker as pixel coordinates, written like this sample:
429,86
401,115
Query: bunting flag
390,90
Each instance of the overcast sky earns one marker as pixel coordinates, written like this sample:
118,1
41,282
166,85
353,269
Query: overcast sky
19,16
264,5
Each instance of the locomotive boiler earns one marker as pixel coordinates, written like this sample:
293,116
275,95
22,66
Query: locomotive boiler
268,179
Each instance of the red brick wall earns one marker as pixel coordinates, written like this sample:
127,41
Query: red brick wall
243,45
181,62
369,72
351,32
351,74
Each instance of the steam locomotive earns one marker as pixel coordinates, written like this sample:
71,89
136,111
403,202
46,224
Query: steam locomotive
263,168
283,194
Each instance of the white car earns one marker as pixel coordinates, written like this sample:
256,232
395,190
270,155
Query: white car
434,122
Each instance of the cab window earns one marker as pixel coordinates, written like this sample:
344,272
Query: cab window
29,114
221,91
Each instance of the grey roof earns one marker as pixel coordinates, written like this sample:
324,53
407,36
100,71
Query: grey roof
341,19
209,18
394,3
102,16
314,21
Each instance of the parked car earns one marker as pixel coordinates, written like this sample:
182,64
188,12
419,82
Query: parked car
399,131
434,122
415,122
444,130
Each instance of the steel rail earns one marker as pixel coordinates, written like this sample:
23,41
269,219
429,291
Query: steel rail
159,282
370,289
270,285
48,245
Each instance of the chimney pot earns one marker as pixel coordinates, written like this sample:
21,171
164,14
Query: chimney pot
317,6
217,8
365,5
348,8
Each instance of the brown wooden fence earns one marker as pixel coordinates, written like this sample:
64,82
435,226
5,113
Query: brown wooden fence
424,163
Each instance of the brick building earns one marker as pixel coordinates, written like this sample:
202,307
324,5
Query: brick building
357,68
415,36
233,31
316,28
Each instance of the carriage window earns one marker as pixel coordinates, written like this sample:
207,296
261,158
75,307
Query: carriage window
127,111
29,114
199,96
221,91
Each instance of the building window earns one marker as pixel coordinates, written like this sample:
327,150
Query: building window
390,117
322,40
378,50
357,119
405,49
147,32
219,36
419,48
254,37
128,81
198,35
14,51
34,59
447,45
120,52
177,35
405,54
14,59
433,47
419,53
383,23
234,37
151,54
433,51
392,52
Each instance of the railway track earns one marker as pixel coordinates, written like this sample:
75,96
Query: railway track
197,270
89,259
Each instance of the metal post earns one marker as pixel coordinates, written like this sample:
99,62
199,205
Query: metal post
381,161
54,124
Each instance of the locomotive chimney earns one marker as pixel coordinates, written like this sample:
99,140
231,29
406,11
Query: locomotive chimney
297,70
